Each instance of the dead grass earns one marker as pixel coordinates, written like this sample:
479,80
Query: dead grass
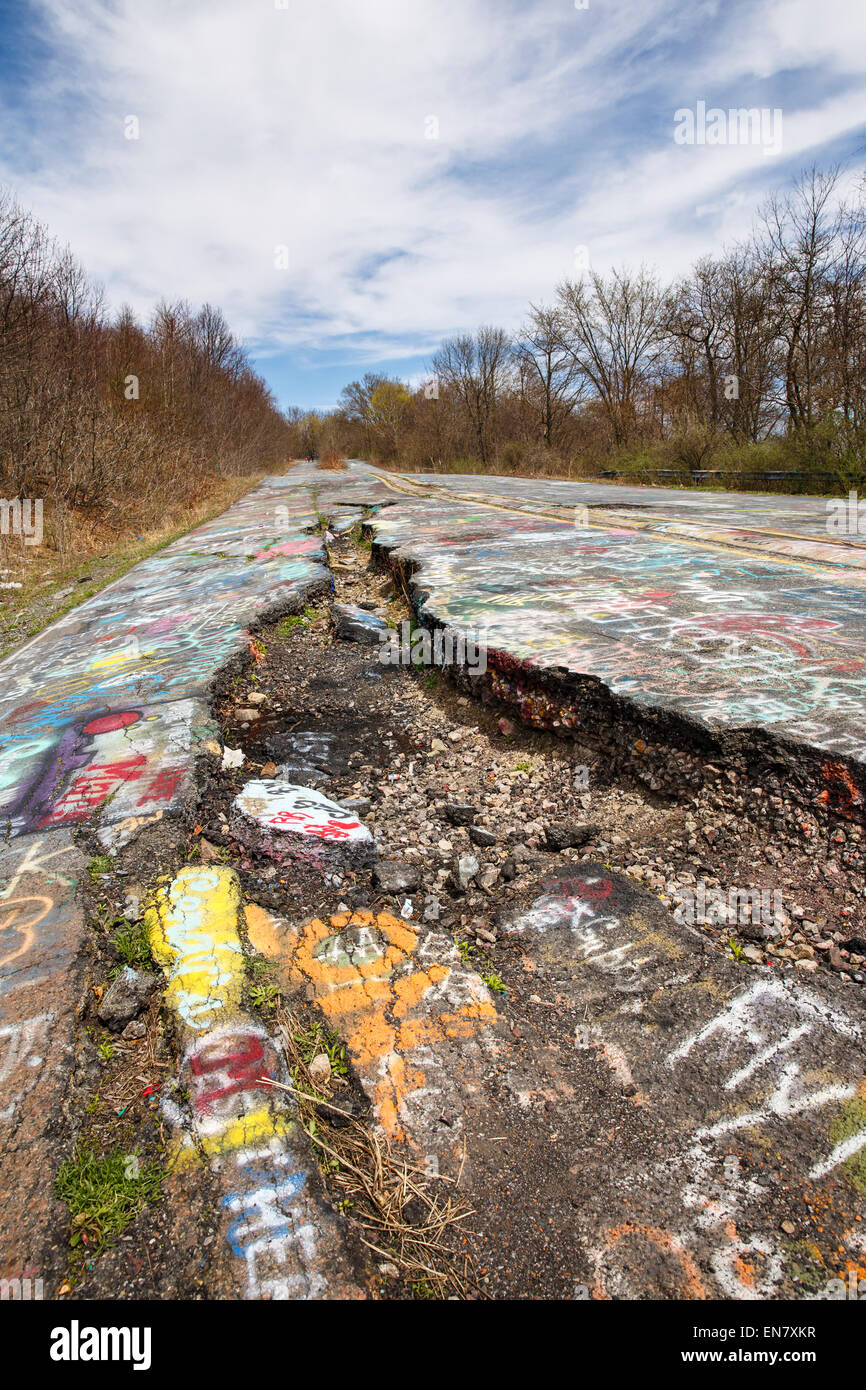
334,462
404,1220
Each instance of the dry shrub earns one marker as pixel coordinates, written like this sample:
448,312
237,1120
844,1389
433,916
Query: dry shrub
114,425
406,1218
333,461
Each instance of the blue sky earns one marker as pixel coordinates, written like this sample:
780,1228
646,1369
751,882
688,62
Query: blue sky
311,125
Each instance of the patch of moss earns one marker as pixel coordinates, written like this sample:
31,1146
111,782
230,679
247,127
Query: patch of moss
804,1264
852,1121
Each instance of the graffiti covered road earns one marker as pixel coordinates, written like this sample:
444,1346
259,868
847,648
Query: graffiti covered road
615,1048
102,716
682,604
102,713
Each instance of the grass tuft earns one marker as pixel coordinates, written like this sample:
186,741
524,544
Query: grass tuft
104,1195
100,864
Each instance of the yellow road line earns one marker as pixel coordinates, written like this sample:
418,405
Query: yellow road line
852,578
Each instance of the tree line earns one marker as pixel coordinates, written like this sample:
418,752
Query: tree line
755,359
102,415
752,362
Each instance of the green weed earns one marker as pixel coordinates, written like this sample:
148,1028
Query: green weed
133,946
105,1194
318,1039
265,997
494,982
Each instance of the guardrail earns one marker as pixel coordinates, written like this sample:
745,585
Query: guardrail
789,480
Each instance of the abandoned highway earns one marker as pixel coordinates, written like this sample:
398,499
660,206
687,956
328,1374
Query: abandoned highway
536,975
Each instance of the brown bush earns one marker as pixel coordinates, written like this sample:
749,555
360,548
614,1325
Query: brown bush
333,461
117,427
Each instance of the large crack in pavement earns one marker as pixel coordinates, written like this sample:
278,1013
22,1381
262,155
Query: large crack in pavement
518,910
564,1102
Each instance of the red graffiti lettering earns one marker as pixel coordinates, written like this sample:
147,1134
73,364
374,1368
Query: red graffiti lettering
162,788
92,787
244,1070
109,723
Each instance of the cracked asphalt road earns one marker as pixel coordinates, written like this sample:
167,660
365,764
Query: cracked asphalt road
643,1119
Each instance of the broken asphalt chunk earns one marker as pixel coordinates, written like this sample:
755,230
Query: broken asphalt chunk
355,625
125,998
393,876
286,821
568,835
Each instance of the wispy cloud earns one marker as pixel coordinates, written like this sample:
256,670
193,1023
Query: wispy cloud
309,127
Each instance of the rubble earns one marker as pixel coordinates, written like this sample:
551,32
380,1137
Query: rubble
391,876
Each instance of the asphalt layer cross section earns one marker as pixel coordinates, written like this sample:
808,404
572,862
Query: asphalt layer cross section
706,623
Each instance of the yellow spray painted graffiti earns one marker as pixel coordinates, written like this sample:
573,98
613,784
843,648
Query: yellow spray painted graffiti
236,1121
193,933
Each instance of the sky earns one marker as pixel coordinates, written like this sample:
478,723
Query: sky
352,181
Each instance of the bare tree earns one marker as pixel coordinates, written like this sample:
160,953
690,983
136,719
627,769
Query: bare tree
845,318
695,323
474,368
799,240
553,382
613,328
750,409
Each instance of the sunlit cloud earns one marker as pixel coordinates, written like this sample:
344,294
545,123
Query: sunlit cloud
351,182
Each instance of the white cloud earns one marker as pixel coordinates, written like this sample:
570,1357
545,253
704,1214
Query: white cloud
792,33
306,127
